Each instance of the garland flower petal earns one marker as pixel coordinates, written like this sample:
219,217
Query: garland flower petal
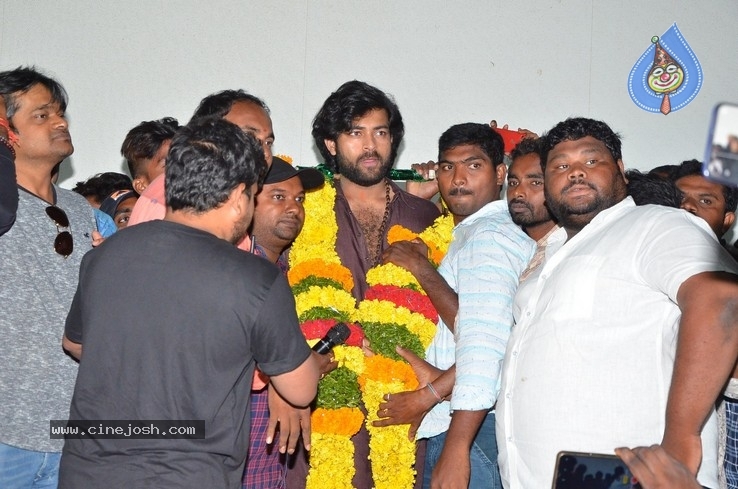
391,274
320,268
400,233
378,312
403,297
318,237
327,297
342,421
317,328
331,462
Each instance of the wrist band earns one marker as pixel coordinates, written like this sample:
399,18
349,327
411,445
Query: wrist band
439,399
7,144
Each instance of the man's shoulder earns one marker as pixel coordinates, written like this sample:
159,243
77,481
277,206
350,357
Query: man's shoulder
414,212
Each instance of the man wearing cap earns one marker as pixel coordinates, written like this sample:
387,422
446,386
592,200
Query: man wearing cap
119,206
278,218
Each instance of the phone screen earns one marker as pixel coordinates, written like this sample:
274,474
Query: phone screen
721,155
576,470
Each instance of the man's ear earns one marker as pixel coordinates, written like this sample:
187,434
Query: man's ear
236,199
139,185
621,166
501,171
331,145
728,221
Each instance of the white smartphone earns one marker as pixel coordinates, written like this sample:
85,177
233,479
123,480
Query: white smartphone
721,156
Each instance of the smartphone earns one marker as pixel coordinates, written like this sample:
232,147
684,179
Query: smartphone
721,156
576,470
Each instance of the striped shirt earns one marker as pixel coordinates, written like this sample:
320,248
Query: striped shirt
484,261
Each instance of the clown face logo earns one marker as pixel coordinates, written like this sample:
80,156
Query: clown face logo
665,79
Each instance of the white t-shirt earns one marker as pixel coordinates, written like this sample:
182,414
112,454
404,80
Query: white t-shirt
589,361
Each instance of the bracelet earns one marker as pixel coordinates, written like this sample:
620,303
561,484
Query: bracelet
439,399
7,144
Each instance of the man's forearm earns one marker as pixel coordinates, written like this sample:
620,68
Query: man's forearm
443,297
707,346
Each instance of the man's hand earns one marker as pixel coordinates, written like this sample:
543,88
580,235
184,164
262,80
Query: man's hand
424,371
410,255
687,450
405,408
453,469
97,239
656,469
326,363
410,407
291,420
428,188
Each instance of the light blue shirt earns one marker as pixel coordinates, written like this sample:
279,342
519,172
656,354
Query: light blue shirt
483,264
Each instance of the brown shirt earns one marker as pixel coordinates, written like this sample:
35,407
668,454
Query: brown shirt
407,210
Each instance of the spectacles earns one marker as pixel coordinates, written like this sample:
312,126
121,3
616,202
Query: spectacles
63,243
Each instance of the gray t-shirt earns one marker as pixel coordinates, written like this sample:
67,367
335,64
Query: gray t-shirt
36,290
172,320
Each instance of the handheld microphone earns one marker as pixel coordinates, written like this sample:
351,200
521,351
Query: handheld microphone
337,335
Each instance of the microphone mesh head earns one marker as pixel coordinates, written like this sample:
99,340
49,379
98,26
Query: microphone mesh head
338,334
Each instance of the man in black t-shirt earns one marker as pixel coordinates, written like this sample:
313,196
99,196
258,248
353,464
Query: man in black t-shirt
172,317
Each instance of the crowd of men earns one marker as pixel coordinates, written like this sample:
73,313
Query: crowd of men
586,312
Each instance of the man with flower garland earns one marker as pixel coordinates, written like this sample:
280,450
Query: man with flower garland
357,131
472,290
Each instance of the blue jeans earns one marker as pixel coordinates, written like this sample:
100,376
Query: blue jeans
482,457
22,469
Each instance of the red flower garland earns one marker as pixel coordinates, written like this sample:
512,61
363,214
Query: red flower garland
314,329
405,297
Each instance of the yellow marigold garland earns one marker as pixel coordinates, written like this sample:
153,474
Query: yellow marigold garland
331,462
313,255
390,274
325,297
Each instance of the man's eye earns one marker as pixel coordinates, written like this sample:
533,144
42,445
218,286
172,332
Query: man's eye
300,200
270,143
512,183
537,182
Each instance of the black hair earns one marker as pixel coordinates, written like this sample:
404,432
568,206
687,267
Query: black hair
22,79
694,167
220,103
103,184
526,147
576,128
208,159
144,140
650,188
352,100
480,135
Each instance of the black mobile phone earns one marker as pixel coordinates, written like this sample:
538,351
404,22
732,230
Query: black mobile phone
578,470
721,156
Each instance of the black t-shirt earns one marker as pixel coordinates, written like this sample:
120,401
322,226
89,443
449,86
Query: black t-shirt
171,320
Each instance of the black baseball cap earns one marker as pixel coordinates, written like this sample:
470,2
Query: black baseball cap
281,171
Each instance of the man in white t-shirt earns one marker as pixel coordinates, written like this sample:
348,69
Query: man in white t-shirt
628,331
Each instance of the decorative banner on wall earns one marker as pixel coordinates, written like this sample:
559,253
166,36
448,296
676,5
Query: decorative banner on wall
667,76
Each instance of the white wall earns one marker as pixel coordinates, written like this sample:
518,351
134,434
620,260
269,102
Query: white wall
525,62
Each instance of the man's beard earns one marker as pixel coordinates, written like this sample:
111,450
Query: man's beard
577,216
356,174
529,219
240,230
